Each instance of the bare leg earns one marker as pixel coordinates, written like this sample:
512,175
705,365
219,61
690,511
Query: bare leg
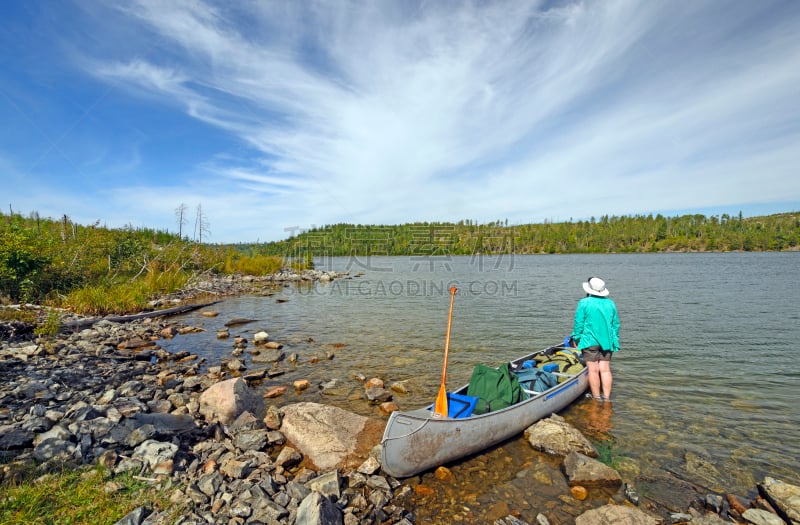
594,378
605,377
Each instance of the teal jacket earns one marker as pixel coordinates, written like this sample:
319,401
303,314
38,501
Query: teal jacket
596,323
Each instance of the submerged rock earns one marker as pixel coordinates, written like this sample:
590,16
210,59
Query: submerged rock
588,472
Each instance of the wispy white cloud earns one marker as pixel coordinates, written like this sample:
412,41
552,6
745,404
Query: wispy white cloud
394,112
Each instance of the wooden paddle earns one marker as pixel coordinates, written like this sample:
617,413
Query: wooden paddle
440,408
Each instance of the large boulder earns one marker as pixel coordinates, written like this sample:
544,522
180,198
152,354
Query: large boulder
223,402
555,436
785,498
329,436
616,515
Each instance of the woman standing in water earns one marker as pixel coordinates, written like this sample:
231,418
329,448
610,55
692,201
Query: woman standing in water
596,335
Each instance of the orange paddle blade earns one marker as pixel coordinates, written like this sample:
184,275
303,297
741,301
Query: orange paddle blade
440,408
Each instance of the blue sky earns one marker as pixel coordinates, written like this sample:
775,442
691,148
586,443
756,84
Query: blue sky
279,116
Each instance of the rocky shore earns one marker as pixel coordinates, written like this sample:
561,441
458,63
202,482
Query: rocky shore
107,395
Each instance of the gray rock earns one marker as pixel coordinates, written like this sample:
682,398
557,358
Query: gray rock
510,520
236,469
275,437
135,517
356,480
713,502
179,399
153,452
235,365
54,449
762,517
297,491
588,472
13,437
316,509
224,401
370,466
379,483
251,439
708,518
58,432
166,425
376,395
162,406
272,419
139,435
631,494
268,355
246,421
327,484
209,484
288,457
197,496
267,511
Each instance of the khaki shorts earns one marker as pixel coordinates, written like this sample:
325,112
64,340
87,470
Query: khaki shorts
593,354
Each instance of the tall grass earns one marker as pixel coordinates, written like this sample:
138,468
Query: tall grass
165,279
126,296
252,264
101,299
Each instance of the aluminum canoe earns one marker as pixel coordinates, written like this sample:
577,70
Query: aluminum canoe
415,441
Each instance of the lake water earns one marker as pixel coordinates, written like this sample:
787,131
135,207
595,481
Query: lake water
705,385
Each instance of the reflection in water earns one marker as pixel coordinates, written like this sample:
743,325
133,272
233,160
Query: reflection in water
597,416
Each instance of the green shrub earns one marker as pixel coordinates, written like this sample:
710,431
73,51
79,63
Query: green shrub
51,325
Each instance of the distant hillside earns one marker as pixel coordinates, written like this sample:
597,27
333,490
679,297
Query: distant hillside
607,234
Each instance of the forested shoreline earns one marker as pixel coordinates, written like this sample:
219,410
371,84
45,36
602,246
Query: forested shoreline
607,234
94,269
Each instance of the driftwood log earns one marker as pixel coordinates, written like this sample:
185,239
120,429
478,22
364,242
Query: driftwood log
84,323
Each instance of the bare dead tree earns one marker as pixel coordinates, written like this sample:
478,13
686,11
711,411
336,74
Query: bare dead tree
200,224
65,230
180,214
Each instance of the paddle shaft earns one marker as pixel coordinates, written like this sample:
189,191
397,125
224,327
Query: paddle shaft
440,407
447,337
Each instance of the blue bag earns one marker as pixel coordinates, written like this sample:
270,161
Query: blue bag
536,379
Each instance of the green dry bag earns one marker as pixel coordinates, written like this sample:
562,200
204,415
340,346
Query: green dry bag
495,388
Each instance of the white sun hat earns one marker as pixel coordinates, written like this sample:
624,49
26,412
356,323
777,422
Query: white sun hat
596,286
